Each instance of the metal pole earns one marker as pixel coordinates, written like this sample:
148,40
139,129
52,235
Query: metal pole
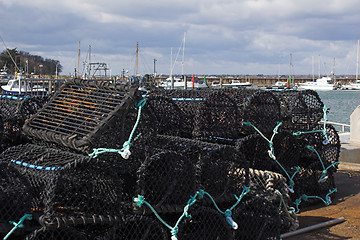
310,228
185,82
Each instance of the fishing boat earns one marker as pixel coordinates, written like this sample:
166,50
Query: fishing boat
20,85
180,84
234,84
280,84
4,76
320,84
351,86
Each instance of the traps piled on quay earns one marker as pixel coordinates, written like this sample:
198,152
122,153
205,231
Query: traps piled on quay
106,162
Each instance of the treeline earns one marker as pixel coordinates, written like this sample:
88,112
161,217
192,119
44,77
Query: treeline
28,64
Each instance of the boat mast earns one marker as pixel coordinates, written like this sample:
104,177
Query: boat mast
78,63
171,69
291,66
182,63
183,56
89,73
357,61
312,68
333,73
319,68
137,58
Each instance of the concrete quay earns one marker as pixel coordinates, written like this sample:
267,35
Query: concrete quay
349,153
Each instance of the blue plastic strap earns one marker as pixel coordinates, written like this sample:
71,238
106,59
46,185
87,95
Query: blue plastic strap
24,164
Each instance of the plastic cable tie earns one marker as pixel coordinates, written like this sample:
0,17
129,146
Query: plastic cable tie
233,224
328,200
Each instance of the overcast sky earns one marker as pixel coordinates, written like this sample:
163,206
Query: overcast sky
222,36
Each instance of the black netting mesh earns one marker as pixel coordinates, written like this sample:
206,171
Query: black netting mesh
220,169
14,110
257,217
167,180
300,110
217,114
15,196
205,223
187,163
137,227
69,189
57,234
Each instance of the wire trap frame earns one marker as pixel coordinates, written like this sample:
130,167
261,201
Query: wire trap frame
84,115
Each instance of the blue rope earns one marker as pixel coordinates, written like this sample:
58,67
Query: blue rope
323,131
227,212
272,154
140,200
324,172
304,197
327,139
18,224
125,151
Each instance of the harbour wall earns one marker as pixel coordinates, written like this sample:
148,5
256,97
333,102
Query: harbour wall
262,80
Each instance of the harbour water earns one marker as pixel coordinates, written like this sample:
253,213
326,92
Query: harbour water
341,103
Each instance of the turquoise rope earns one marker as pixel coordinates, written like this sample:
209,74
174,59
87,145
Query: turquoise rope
140,200
18,224
275,131
327,139
324,172
272,154
125,151
323,131
227,212
305,198
299,132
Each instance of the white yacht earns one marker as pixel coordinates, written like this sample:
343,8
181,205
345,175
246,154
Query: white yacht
234,84
352,86
179,84
320,84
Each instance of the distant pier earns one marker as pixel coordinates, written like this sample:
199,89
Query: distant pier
262,80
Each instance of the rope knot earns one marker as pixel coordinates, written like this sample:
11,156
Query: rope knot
328,200
174,232
305,197
141,103
139,200
227,213
246,189
327,140
271,154
125,153
201,193
186,210
229,219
